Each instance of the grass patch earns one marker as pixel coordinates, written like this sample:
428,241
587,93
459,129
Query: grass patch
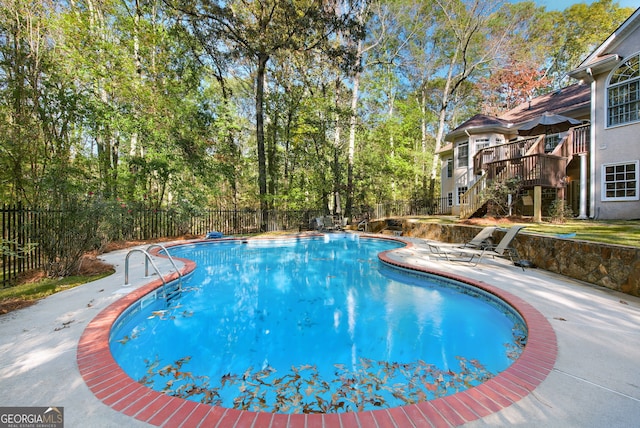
46,287
34,286
625,233
620,232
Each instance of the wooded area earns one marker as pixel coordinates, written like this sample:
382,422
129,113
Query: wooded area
187,104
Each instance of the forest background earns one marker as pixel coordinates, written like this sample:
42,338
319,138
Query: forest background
272,104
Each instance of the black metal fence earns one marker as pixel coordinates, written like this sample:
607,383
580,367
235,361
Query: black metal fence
19,252
27,231
440,206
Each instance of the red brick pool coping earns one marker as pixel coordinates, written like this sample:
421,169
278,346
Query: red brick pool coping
116,389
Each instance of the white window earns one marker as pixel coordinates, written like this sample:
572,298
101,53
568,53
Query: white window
623,93
450,199
461,191
481,143
620,182
463,155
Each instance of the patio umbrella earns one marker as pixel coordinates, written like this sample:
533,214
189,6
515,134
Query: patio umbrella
548,123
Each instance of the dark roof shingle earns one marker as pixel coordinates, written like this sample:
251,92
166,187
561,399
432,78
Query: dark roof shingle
562,101
481,121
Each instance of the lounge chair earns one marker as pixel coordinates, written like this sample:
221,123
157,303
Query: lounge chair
481,240
319,224
325,223
503,249
330,223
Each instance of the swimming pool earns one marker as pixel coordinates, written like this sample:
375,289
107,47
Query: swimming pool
227,329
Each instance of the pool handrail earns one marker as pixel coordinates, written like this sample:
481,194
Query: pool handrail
146,266
147,258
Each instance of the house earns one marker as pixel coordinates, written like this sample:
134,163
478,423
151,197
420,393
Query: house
457,157
580,144
613,72
485,148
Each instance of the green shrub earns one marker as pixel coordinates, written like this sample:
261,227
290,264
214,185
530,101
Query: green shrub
559,212
496,195
69,233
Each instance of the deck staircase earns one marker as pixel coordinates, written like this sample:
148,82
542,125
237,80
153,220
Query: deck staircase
525,159
472,200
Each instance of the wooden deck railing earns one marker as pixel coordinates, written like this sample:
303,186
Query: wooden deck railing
533,170
576,142
581,138
506,151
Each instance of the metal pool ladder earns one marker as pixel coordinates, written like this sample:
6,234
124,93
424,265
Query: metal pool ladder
168,293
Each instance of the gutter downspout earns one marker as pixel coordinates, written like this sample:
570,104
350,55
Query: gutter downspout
469,159
592,148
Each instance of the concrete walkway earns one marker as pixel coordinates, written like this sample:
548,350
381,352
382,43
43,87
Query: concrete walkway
595,382
38,347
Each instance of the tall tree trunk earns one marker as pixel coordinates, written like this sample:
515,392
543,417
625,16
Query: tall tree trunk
262,160
392,154
442,115
423,142
336,147
272,164
138,63
106,142
352,132
354,113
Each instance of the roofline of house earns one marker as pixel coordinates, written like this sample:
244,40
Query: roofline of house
605,64
484,129
445,149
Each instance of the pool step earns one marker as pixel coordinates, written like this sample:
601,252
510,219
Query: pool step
173,291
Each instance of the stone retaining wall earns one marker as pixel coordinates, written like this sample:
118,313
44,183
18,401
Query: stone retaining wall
612,266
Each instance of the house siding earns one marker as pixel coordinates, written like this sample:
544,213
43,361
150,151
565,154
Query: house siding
613,145
446,182
463,176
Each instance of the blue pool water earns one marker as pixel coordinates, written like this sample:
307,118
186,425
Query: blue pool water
313,325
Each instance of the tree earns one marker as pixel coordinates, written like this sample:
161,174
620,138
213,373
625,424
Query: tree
577,31
247,102
420,66
520,73
144,123
258,30
512,85
467,46
39,107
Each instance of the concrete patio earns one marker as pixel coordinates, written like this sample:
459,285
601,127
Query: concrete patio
594,383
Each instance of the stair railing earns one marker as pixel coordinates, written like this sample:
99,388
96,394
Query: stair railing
471,200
